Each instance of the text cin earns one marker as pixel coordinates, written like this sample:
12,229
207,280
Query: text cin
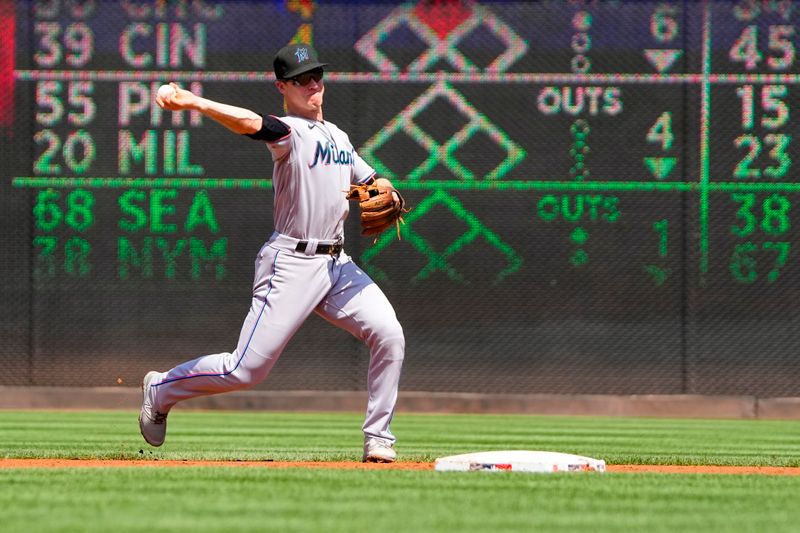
163,45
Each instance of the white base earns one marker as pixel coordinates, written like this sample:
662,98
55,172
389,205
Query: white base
519,461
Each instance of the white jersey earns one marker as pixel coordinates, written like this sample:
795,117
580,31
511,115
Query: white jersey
314,167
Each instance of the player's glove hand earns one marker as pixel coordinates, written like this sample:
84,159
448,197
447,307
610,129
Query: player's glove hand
381,207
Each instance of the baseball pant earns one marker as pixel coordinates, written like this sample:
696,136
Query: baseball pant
289,286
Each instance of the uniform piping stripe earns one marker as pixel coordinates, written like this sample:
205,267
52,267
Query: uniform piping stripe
260,314
371,176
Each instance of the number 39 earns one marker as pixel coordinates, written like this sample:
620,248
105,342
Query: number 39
77,39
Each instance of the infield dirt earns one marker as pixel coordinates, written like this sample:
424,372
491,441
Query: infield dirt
344,465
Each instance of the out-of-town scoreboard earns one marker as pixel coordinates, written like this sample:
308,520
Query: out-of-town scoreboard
601,167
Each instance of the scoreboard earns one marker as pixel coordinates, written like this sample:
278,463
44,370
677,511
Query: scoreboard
604,194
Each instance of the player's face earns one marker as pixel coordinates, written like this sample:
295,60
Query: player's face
303,93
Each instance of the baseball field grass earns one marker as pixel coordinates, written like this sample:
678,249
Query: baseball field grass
259,498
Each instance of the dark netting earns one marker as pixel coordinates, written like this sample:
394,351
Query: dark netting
603,196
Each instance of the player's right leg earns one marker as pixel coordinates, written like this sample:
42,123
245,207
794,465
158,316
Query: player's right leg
357,305
288,285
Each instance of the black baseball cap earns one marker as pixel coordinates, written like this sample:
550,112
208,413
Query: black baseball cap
295,59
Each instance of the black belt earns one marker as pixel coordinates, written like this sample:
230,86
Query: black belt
323,249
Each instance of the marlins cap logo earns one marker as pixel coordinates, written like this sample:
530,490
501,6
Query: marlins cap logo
302,54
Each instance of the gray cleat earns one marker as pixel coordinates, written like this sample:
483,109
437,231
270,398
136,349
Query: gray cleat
378,450
152,424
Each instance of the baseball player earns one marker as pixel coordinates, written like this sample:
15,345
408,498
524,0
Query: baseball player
302,267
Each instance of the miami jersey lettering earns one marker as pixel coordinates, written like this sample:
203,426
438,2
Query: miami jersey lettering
314,166
328,153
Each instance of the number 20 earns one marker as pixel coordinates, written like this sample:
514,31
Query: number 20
78,152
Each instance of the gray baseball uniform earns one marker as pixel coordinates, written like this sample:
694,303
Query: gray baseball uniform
301,269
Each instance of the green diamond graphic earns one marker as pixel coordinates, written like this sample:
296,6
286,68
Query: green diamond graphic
438,260
443,153
441,47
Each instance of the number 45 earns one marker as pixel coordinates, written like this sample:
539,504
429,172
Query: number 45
745,49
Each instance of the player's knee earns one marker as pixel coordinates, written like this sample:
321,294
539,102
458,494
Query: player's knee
244,377
249,377
388,338
250,370
390,328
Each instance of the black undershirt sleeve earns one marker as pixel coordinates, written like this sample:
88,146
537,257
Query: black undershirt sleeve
271,130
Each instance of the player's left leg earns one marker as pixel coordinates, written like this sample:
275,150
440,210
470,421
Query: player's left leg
287,287
356,304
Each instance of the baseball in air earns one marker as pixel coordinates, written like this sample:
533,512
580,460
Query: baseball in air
165,91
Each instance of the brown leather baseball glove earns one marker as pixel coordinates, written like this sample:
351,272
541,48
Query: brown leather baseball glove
379,208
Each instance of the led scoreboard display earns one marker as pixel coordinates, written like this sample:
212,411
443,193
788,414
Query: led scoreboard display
604,194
